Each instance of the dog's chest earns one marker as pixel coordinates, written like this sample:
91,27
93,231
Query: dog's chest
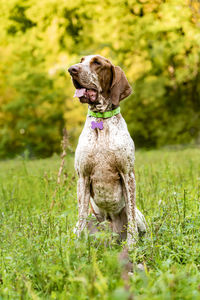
110,147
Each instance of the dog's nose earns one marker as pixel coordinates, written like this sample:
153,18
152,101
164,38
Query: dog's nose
73,70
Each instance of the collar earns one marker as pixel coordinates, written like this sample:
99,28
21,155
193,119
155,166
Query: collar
105,114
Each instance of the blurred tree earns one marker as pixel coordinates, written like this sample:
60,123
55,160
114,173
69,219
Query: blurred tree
157,43
33,119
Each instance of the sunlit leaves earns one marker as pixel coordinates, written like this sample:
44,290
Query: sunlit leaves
157,43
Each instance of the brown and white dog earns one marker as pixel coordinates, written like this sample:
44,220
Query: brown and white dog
104,158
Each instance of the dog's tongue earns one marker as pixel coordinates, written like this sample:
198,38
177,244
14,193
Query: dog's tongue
79,93
88,94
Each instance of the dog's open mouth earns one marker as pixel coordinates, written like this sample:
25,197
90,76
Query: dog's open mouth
89,94
82,92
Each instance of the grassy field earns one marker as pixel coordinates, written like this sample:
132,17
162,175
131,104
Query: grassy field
40,258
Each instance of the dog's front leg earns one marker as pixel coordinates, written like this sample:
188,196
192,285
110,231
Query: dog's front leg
129,195
83,193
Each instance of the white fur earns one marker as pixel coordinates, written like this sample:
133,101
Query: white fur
104,161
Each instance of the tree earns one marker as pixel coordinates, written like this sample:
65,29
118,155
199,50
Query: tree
157,43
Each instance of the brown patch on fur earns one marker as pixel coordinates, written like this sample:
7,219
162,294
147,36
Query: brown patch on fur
103,174
124,222
112,79
103,68
120,87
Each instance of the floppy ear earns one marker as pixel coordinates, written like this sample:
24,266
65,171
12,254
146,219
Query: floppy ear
120,88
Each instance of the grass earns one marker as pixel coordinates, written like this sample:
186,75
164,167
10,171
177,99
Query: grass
40,257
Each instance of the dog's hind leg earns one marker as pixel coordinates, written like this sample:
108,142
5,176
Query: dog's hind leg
83,193
128,181
119,223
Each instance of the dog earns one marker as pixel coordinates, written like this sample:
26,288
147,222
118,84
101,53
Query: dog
104,157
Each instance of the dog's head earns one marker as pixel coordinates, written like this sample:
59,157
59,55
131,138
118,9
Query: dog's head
99,83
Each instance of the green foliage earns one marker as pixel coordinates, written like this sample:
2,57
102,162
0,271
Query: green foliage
167,95
41,258
157,43
34,118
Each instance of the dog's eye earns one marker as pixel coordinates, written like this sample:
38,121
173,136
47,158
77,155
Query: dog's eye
96,62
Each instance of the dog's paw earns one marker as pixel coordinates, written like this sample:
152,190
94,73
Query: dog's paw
75,230
79,228
141,222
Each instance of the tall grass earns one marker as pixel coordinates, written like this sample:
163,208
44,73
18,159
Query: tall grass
41,258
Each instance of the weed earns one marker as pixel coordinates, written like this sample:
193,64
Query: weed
41,258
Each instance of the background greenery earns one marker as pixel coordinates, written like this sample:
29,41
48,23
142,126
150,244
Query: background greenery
157,43
41,258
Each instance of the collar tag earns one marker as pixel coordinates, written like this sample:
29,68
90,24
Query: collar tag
97,125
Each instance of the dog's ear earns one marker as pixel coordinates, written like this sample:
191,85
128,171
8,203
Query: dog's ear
120,88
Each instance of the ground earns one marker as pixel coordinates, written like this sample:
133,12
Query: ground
41,258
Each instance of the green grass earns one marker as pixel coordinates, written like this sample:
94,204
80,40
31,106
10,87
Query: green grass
40,257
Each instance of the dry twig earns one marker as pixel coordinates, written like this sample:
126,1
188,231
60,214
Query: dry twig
64,144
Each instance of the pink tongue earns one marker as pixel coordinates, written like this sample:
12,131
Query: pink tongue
79,93
88,94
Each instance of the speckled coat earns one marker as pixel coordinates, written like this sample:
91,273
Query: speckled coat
104,162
